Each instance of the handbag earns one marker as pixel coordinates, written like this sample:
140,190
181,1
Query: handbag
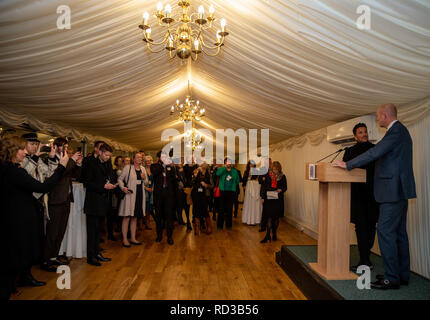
122,194
217,191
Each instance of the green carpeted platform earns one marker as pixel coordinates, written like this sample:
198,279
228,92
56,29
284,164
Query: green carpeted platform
418,288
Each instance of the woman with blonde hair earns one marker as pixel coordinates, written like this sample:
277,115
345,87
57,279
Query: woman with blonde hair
132,181
20,239
272,197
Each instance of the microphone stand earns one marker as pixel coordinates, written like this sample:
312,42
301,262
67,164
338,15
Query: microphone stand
336,152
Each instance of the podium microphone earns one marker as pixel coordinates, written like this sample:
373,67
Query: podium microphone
336,152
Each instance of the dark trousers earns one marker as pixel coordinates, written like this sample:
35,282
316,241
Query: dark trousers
181,200
111,219
365,229
216,202
164,212
226,208
7,283
263,222
94,229
55,229
236,203
393,240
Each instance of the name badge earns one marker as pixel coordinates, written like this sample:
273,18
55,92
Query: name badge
150,182
200,189
228,178
139,182
168,168
164,174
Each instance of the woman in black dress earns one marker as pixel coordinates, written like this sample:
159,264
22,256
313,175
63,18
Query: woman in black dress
272,192
201,186
20,235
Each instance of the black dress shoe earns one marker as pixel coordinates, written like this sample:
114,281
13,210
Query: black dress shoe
262,230
266,238
99,257
126,245
136,243
58,262
189,227
170,241
402,282
47,266
94,262
384,285
158,239
30,282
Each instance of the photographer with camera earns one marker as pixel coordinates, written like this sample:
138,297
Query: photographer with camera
20,218
59,200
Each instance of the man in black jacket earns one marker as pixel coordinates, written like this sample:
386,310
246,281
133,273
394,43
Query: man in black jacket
165,189
99,185
364,208
59,200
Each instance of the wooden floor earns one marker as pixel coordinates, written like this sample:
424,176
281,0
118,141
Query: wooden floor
224,265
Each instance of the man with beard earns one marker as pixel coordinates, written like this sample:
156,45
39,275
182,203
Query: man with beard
364,209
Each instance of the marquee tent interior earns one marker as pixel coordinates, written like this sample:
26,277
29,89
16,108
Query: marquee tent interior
294,66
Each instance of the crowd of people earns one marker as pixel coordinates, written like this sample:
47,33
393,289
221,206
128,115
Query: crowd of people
37,188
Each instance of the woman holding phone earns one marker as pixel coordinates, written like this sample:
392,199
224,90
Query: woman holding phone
132,181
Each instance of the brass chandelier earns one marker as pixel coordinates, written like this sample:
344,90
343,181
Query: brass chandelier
184,36
193,139
189,110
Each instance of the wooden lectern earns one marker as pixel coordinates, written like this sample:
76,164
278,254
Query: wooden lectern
334,219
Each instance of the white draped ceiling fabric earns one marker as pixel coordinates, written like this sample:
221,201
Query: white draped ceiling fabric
293,66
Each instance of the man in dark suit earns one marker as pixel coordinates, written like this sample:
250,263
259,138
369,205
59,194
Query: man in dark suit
99,185
394,185
165,189
364,208
59,200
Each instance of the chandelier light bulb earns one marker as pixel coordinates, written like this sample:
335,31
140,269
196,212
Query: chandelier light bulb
159,6
201,11
148,33
145,18
198,102
168,9
177,102
223,24
211,9
196,44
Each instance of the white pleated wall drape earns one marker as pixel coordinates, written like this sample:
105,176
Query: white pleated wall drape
301,207
419,208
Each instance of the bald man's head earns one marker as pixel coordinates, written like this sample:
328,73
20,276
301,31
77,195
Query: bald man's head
386,114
